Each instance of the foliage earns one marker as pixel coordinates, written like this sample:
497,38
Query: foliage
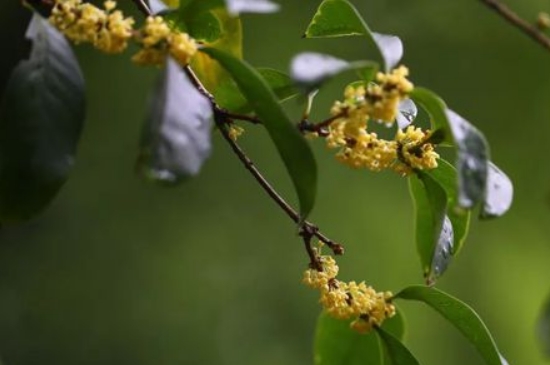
206,82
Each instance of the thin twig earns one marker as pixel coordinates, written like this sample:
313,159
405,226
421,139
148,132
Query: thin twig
514,19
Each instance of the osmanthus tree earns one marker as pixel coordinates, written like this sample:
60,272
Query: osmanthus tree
205,86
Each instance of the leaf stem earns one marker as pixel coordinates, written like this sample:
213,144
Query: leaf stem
520,23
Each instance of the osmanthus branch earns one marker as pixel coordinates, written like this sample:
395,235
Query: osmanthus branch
511,17
222,119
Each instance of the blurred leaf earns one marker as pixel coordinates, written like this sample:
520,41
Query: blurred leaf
397,353
445,176
396,325
472,160
339,18
156,7
464,318
336,343
498,194
310,70
407,112
434,232
175,140
237,7
543,328
292,147
41,117
211,74
204,27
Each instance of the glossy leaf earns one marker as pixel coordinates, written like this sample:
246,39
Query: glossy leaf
204,26
310,70
41,117
472,148
335,343
406,114
472,160
445,175
460,315
397,353
499,193
339,18
176,136
292,147
434,233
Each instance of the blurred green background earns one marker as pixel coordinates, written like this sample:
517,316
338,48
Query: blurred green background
118,271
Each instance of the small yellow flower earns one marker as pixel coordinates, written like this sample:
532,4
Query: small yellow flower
235,132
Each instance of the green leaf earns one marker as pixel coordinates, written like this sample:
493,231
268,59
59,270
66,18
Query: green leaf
445,175
396,325
310,70
434,232
336,343
397,353
406,113
472,148
41,117
204,26
498,193
175,139
464,318
292,147
339,18
229,96
543,328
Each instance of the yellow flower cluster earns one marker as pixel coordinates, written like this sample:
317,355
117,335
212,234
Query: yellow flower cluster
109,31
158,40
360,148
349,300
235,132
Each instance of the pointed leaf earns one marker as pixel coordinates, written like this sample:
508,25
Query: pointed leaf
397,353
434,232
41,117
292,147
498,194
445,175
176,136
339,18
543,328
310,70
460,315
337,344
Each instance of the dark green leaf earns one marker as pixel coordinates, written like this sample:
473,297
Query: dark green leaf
543,328
397,353
41,117
336,343
292,147
396,325
176,136
434,232
498,194
464,318
339,18
310,70
445,175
